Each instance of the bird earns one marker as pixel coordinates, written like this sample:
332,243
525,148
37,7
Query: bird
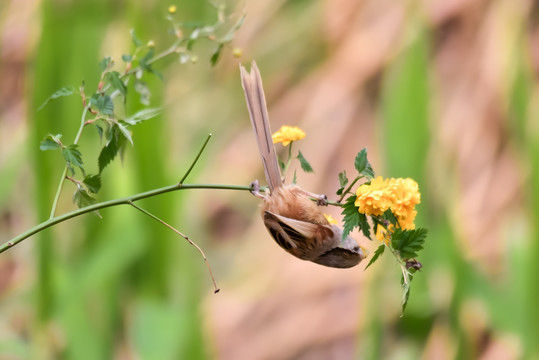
291,214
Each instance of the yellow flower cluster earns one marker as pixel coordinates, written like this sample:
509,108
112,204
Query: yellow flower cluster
399,195
287,134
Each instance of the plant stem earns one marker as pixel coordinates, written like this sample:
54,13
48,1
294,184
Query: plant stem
196,159
122,201
183,236
348,188
64,173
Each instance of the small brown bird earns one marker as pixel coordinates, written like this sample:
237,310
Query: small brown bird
292,218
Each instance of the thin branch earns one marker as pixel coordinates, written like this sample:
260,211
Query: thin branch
196,159
126,200
64,173
183,236
348,188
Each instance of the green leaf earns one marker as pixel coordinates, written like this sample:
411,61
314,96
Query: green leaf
126,133
305,166
343,180
408,242
405,294
50,142
144,91
103,103
115,144
73,157
65,91
142,115
379,251
216,54
146,65
282,165
93,183
364,226
362,165
127,58
106,63
135,39
81,198
114,78
294,178
351,216
99,131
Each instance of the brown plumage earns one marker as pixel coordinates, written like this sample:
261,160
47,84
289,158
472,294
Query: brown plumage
292,218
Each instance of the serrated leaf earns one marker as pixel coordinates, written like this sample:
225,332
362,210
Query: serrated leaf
343,179
408,242
99,131
115,144
364,226
114,78
81,198
65,91
144,92
216,54
305,166
107,154
379,251
126,133
135,39
93,183
105,63
143,115
73,157
362,165
102,103
350,216
50,142
127,58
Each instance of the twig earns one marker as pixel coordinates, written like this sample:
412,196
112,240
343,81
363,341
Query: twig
126,200
348,188
64,173
183,236
196,159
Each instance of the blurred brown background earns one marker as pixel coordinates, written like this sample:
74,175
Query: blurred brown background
440,91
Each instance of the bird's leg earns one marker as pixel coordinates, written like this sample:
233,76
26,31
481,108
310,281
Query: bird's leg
255,190
321,200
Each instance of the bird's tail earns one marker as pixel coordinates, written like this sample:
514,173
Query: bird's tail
256,104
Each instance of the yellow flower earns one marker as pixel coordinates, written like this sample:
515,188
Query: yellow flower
374,199
399,195
172,9
330,219
287,134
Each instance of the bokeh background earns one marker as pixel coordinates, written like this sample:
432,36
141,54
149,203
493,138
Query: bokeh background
443,91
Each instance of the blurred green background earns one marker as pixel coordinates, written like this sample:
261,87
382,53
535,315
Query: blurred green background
440,91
